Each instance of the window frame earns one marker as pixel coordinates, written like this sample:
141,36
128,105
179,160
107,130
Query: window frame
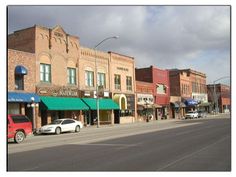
117,81
129,84
99,80
89,78
70,76
19,81
44,74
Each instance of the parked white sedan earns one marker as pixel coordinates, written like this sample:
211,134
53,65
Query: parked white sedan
62,125
191,115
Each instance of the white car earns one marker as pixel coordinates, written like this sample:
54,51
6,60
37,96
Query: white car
191,115
62,125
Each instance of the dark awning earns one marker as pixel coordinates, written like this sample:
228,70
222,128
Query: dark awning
20,70
22,97
62,103
176,105
104,104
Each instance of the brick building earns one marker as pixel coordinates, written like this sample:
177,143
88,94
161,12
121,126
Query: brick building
21,91
222,96
160,81
64,72
188,91
145,100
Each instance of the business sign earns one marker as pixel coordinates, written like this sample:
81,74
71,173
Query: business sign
58,91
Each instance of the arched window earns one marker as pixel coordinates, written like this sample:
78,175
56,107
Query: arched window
20,71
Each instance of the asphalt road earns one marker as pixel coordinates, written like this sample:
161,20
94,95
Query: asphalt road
188,145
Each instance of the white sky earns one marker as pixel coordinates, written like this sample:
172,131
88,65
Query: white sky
196,37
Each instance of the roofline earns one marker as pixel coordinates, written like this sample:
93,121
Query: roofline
110,52
43,27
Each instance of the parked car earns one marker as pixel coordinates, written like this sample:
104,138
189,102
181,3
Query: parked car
191,115
202,114
61,125
19,126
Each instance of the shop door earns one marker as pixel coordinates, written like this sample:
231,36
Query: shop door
117,116
44,118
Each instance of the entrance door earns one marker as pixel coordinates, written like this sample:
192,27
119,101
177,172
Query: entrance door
29,112
44,118
117,116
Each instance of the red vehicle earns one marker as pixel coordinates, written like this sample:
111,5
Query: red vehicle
19,126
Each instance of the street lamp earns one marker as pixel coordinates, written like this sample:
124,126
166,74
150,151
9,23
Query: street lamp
33,105
97,100
215,96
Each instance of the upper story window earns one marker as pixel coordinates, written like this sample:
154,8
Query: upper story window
45,72
161,89
71,76
89,78
101,79
128,83
117,82
20,71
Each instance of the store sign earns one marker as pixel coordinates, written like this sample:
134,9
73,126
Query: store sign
57,91
200,97
122,69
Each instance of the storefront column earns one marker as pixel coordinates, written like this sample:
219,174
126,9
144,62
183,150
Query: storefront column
112,117
81,117
37,117
49,117
22,109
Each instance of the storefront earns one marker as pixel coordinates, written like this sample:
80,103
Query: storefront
52,108
23,103
126,112
106,111
191,104
145,106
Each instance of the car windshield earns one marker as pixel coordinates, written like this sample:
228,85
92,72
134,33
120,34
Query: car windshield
56,122
190,112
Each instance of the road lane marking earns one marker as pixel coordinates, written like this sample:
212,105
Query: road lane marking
192,154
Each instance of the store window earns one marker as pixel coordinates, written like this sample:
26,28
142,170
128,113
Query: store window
128,83
19,82
71,76
101,79
45,72
20,71
117,82
13,108
89,78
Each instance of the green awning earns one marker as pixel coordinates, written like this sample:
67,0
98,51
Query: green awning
62,103
104,104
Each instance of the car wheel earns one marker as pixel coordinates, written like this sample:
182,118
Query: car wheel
77,128
58,130
19,137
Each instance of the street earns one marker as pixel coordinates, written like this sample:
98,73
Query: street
169,145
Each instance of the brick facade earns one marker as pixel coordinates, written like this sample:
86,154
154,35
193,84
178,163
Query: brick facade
60,50
158,78
25,59
188,83
144,87
223,96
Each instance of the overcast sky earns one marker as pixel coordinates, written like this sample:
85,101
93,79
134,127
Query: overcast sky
196,37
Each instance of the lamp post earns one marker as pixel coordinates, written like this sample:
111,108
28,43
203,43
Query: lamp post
33,105
96,73
215,96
